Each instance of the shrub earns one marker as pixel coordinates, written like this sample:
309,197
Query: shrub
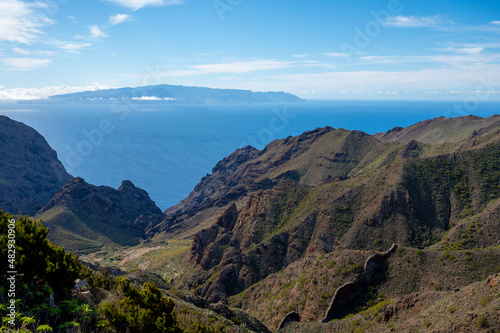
41,262
140,311
44,288
481,321
331,264
485,300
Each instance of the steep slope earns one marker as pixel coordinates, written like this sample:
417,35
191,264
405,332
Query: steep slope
260,212
315,158
30,173
472,308
83,217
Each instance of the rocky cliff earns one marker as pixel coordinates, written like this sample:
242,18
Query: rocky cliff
82,216
30,173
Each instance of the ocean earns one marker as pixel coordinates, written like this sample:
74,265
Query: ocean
167,149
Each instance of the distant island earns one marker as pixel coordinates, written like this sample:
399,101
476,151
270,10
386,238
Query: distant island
170,94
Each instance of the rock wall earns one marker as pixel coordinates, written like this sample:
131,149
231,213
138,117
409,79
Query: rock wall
347,293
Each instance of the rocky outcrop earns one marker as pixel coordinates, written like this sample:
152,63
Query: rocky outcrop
404,304
376,262
237,316
84,211
30,173
347,294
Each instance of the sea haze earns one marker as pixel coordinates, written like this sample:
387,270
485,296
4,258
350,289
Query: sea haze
166,149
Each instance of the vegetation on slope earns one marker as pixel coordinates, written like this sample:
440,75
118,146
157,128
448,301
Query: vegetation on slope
44,298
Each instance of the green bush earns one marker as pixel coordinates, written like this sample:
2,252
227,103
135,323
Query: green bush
481,321
40,262
140,311
46,275
485,300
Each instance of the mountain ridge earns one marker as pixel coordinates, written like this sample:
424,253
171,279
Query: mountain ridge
173,94
260,212
286,231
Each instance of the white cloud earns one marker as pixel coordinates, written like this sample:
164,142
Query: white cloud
44,92
495,22
237,67
118,18
301,56
45,53
27,52
401,21
20,22
337,54
24,63
137,4
96,32
21,51
415,82
147,98
467,58
466,50
73,47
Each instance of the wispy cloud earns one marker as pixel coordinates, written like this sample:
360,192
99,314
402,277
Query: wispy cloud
495,22
370,82
73,47
337,54
21,51
119,18
401,21
24,63
469,57
96,32
137,4
465,50
237,67
44,92
21,22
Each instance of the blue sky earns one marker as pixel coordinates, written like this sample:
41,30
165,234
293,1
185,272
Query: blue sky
358,49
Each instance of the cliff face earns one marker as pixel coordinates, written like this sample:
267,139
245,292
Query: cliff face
83,216
30,173
262,211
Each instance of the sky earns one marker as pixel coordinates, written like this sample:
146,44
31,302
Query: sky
328,49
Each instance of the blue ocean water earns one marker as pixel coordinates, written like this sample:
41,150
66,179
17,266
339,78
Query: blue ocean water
166,150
